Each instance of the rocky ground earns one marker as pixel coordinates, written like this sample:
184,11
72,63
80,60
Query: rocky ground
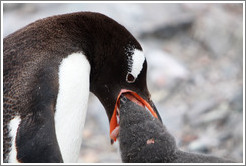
195,72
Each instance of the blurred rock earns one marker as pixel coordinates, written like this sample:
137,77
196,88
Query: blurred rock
164,70
167,31
203,145
218,29
12,6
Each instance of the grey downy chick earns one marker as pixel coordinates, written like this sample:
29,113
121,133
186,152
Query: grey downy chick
144,139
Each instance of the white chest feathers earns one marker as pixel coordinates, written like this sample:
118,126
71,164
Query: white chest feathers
13,127
71,107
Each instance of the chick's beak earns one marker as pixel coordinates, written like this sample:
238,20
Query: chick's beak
134,97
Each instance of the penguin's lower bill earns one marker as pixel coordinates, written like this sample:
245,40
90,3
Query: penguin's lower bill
134,97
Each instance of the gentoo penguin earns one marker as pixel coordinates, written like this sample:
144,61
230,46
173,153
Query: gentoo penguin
49,68
144,139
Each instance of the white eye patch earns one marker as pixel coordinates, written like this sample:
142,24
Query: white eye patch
135,65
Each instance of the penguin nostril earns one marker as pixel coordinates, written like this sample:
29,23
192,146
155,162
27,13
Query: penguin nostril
130,78
123,99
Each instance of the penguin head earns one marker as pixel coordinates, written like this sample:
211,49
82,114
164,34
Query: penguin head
120,71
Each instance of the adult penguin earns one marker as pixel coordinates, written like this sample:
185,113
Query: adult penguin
49,67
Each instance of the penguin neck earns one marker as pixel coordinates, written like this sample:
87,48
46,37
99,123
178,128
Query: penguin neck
71,105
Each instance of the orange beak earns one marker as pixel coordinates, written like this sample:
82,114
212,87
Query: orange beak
134,97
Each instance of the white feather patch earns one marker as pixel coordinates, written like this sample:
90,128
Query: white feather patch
74,76
13,127
138,59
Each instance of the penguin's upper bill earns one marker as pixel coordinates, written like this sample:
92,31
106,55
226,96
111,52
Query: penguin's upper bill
134,97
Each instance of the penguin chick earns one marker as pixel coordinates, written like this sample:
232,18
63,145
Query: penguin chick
144,139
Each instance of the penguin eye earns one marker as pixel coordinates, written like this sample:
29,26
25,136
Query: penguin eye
130,78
